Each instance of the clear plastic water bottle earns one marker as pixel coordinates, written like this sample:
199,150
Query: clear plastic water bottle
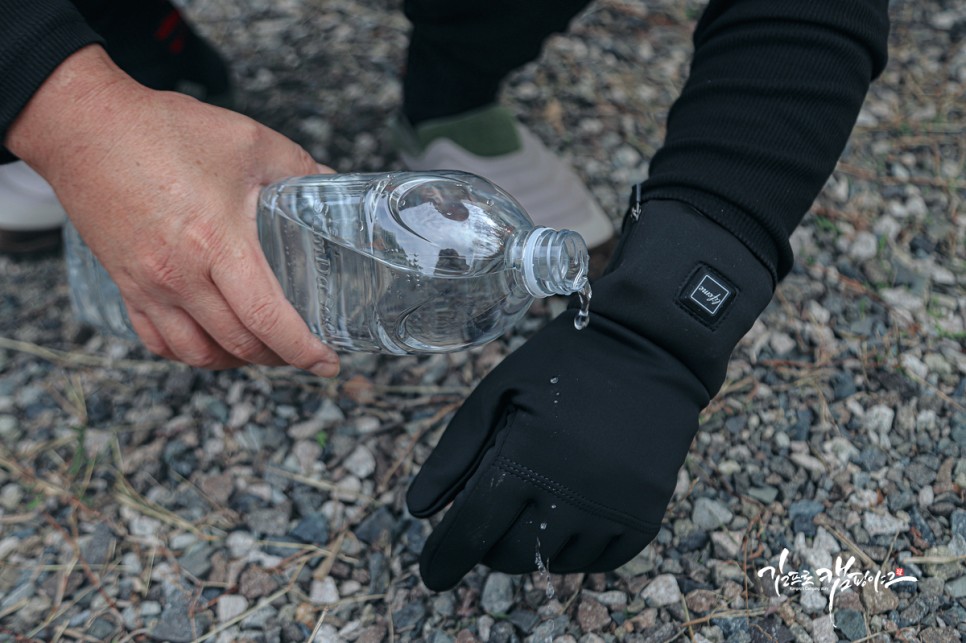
407,262
94,296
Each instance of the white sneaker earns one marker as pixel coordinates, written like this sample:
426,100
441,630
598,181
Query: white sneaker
508,154
27,202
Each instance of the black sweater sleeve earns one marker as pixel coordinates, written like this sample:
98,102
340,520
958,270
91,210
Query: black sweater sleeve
774,91
35,37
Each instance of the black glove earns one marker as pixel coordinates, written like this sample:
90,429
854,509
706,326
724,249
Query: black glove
570,448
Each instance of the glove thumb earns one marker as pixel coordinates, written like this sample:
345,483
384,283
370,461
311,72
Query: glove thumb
456,457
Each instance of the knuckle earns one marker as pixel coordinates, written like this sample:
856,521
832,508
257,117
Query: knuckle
203,238
246,347
303,158
156,346
249,134
263,317
164,271
204,356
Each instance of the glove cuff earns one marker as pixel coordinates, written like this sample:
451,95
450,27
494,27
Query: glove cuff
686,284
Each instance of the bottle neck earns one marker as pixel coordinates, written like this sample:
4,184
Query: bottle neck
549,262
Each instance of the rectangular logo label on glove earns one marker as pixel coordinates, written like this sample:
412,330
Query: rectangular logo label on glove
707,294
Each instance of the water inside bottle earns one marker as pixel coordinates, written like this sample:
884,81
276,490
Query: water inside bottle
583,313
377,284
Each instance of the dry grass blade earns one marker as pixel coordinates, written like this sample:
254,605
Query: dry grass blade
72,358
323,485
125,494
268,600
318,626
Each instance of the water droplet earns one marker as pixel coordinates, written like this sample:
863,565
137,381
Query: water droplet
544,572
583,313
553,506
554,380
543,525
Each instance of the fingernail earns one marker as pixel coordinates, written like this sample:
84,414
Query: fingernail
325,369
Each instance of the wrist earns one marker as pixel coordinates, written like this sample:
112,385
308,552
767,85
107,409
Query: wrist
80,102
686,284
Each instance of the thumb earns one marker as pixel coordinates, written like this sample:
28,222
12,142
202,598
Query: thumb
457,456
283,158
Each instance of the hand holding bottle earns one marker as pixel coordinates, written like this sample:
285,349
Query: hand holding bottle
163,189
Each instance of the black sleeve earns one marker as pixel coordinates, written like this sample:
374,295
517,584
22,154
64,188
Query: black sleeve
774,91
35,37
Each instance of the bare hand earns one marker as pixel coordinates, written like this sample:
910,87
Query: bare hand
163,189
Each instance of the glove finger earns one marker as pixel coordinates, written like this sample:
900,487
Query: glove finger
580,552
478,519
456,456
532,536
621,550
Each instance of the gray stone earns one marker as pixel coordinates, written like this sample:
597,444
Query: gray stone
256,582
524,620
101,629
324,591
805,509
175,623
8,426
851,623
813,601
957,588
20,593
930,586
882,523
612,599
879,600
641,564
864,246
734,629
444,604
497,594
879,419
231,606
781,343
957,523
940,635
259,619
410,616
946,570
709,514
378,573
702,601
823,631
766,494
150,609
272,521
98,546
377,526
197,560
360,463
313,529
240,543
726,544
662,591
592,616
502,632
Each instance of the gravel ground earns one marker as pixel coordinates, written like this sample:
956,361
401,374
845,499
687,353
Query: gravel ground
143,500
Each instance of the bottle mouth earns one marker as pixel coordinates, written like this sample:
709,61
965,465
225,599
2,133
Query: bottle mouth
554,262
